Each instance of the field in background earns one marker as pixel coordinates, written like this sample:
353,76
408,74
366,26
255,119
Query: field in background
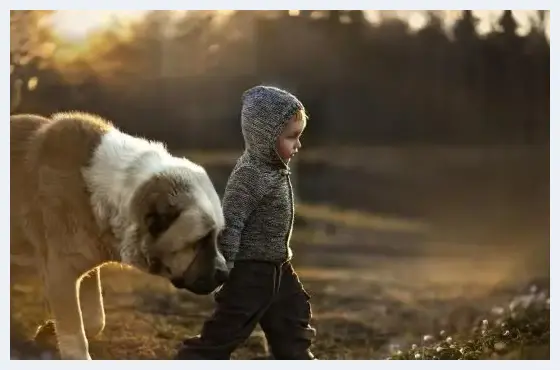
391,243
459,200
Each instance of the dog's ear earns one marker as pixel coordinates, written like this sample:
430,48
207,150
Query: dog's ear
158,221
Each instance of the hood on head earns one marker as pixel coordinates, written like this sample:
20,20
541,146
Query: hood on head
264,114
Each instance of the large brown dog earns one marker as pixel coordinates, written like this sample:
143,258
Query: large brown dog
84,194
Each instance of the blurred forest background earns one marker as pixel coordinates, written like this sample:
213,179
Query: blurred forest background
428,140
178,77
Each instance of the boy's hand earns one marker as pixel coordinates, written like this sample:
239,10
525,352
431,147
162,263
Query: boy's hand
229,265
216,292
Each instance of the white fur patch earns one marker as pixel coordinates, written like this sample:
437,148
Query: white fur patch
120,164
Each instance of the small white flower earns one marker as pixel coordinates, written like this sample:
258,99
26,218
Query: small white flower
439,349
513,305
417,356
497,310
483,332
442,333
506,333
499,346
449,340
414,346
462,350
484,322
427,338
399,352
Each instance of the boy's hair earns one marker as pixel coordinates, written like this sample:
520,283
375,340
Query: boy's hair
300,115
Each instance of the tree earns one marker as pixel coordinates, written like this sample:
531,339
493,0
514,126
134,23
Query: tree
356,16
508,23
464,30
31,45
334,16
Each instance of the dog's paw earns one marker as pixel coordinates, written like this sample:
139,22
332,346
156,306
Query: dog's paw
46,334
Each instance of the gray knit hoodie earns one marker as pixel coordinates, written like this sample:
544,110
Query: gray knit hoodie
258,201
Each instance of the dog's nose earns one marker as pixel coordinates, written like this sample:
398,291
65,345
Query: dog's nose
221,276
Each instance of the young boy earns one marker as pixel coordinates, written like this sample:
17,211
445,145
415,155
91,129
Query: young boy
259,212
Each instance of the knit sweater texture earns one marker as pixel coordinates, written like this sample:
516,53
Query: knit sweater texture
258,201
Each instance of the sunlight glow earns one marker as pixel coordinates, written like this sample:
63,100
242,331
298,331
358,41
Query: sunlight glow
487,18
417,20
76,25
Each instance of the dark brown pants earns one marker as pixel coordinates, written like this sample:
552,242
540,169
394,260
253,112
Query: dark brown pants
256,292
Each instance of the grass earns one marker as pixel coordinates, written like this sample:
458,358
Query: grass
520,332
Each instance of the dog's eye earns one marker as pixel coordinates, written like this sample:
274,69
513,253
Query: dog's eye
159,222
207,239
210,235
155,265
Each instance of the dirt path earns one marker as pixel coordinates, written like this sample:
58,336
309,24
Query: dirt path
359,313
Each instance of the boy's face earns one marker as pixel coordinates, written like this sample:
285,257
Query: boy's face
288,143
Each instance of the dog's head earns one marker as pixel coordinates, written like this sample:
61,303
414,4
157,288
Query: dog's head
178,219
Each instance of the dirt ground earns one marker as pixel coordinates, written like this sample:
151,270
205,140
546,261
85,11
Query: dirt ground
360,313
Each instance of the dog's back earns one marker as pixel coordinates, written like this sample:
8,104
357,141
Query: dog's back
48,198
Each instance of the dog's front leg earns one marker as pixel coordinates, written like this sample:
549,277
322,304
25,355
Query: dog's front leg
91,304
62,287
